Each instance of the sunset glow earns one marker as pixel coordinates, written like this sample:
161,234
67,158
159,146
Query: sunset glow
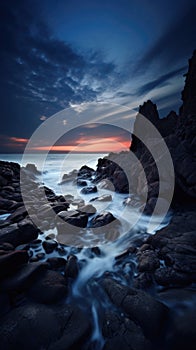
99,145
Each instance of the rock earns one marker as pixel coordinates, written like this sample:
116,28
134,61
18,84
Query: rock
71,269
143,281
49,245
69,177
167,276
148,261
101,219
35,326
24,277
33,169
89,190
81,183
56,263
50,288
22,233
122,333
74,217
11,261
87,209
104,198
85,172
106,184
189,92
18,215
138,306
181,333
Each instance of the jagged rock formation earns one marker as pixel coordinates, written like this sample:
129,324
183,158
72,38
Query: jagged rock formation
179,134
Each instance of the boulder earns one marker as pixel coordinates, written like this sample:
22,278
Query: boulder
89,190
139,306
35,326
11,261
101,219
50,288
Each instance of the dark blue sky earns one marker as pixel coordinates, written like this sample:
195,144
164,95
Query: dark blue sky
56,54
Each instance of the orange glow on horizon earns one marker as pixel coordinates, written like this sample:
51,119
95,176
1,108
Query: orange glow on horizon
18,139
110,144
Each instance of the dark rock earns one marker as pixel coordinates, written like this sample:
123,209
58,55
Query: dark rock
18,215
87,209
40,256
36,326
104,198
81,183
49,245
139,306
11,261
182,332
89,189
85,172
101,219
56,263
33,169
189,92
122,333
74,218
148,261
167,276
143,281
71,268
69,177
22,233
24,277
50,288
7,247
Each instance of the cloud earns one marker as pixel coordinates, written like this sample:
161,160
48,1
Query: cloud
163,80
43,118
175,45
44,69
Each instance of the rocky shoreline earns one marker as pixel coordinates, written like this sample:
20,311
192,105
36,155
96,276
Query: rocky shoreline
146,299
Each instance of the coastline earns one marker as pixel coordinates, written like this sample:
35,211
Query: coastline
135,291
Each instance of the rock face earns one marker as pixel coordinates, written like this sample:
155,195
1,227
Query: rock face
178,133
189,92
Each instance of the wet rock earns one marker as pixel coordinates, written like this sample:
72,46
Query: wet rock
49,245
85,172
35,326
147,261
33,169
106,184
56,263
89,190
40,256
104,198
74,217
81,183
143,281
50,288
182,333
10,261
7,247
18,215
138,306
122,333
69,177
24,277
167,276
87,209
101,219
71,269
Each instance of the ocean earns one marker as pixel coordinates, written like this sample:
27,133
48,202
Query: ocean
56,165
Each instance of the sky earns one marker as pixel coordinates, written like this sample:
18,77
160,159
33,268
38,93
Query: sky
59,54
